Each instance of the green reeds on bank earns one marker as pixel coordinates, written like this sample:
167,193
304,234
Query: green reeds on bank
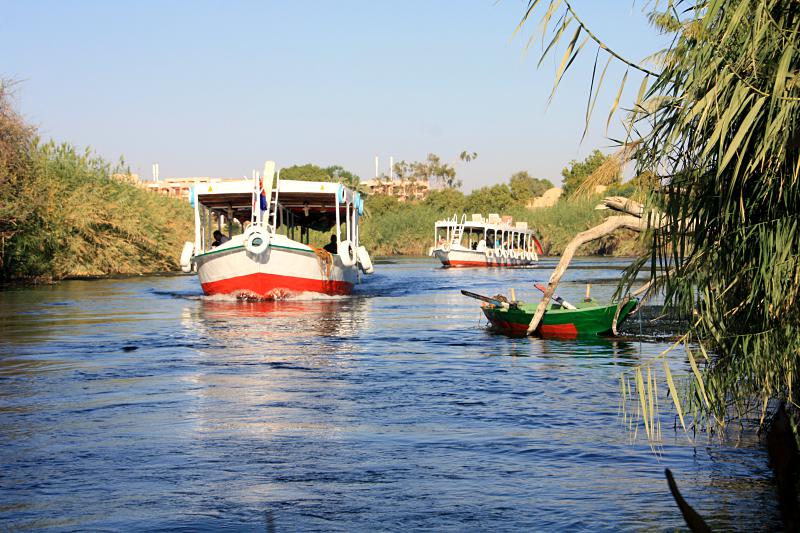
69,214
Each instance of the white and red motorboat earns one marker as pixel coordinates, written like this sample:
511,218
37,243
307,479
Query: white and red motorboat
485,242
266,252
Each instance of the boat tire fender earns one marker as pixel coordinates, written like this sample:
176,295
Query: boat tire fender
347,252
256,240
186,256
364,261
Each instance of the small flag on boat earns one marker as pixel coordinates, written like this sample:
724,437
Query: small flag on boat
263,196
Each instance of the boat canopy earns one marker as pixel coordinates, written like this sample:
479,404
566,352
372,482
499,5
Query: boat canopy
312,203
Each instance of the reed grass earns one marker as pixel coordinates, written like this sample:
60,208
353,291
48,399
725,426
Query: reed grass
65,212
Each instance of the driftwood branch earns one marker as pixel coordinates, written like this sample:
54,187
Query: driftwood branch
633,221
609,225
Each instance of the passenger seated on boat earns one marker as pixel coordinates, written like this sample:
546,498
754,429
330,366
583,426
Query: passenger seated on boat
474,246
331,246
481,245
219,239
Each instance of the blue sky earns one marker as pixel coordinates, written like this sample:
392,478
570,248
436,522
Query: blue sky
215,88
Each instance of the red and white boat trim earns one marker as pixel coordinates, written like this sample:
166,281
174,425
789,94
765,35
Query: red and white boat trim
452,257
286,268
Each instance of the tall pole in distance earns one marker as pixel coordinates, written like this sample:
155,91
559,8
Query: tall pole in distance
376,167
391,167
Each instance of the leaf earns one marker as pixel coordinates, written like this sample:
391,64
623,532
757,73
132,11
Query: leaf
554,40
565,59
697,375
744,128
674,393
640,389
589,100
616,100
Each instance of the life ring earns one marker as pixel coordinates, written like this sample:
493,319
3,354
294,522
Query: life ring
256,240
364,261
186,256
347,252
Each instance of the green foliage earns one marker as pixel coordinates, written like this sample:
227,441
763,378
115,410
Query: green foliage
446,200
578,171
62,213
490,199
524,187
307,172
728,141
721,129
311,172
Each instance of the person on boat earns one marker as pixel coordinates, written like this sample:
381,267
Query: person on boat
219,239
331,246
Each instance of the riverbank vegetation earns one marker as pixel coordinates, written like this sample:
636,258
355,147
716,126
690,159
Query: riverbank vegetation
65,212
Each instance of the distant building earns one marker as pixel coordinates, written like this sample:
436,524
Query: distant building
403,190
178,187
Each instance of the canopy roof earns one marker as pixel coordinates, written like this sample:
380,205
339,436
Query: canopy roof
313,203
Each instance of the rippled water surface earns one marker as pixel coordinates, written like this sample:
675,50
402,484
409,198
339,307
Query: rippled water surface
138,404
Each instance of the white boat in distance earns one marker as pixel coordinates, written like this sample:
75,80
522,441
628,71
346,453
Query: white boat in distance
485,242
267,254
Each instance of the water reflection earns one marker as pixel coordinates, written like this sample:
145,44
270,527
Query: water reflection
273,322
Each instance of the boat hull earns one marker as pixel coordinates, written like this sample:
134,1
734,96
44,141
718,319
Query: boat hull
588,321
473,258
277,273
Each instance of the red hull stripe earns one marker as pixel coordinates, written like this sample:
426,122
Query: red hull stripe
274,286
480,264
556,331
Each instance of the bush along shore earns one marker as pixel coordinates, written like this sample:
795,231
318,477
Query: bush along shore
66,213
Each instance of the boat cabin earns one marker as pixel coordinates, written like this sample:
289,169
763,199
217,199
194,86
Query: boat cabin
294,208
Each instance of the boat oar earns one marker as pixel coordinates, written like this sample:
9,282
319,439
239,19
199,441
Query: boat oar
556,298
493,301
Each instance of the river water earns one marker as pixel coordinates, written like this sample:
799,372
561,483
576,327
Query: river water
138,404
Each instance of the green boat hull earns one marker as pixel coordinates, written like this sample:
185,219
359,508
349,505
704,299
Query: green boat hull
588,320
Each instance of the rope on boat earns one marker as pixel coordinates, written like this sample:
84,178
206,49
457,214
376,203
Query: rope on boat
325,260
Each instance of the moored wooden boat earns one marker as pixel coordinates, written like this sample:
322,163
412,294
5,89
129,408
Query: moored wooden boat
588,319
